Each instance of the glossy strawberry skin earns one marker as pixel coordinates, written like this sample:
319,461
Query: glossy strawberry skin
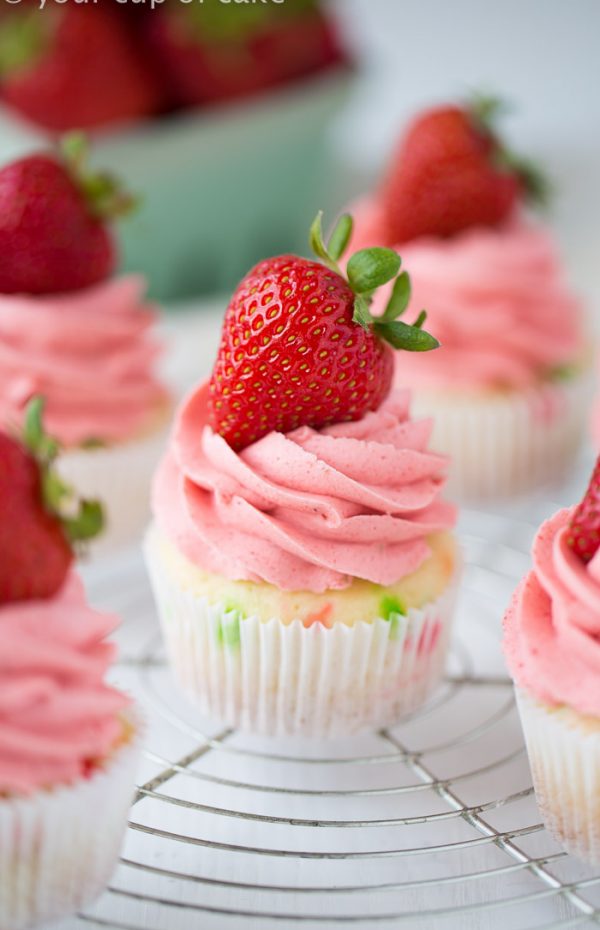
583,535
88,73
34,553
291,354
443,179
49,240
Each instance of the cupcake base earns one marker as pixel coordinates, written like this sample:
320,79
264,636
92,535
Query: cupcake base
277,678
506,443
564,755
120,476
58,847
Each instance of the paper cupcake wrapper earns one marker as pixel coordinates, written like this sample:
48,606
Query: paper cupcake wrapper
58,848
565,766
120,476
506,444
281,679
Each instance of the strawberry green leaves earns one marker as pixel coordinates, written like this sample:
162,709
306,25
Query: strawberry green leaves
366,271
370,268
81,519
104,194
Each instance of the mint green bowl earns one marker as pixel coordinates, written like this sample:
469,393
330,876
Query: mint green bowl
223,188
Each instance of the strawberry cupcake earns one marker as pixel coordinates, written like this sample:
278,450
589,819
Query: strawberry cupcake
509,388
69,743
552,645
301,554
78,336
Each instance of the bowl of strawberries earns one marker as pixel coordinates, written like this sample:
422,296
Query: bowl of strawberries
215,113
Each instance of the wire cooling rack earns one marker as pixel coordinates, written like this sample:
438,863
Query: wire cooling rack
429,824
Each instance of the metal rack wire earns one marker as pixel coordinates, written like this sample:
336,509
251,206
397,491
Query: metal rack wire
429,824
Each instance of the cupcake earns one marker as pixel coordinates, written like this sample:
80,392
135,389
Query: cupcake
509,388
301,554
79,337
552,645
68,741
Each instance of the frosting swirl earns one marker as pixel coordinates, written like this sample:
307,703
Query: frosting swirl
495,298
57,716
88,353
552,628
307,510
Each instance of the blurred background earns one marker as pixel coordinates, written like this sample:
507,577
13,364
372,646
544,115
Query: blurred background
233,150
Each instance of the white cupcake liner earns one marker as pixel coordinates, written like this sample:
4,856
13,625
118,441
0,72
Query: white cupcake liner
564,758
120,476
503,444
282,679
58,847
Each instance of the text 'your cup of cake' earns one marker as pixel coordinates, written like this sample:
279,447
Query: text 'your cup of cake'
301,553
509,389
69,742
72,331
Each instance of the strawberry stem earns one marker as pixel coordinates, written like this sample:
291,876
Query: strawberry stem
485,110
105,196
80,518
367,270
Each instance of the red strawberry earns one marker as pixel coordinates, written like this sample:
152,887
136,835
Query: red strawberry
35,540
584,529
214,52
53,236
73,66
299,346
450,172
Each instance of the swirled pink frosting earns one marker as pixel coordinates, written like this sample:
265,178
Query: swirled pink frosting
552,628
495,298
57,716
307,510
88,353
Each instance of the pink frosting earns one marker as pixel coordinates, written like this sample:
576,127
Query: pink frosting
496,299
88,353
305,510
57,716
552,628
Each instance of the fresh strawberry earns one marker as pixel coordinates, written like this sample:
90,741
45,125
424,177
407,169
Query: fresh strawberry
74,66
35,537
53,232
299,345
584,528
213,52
451,172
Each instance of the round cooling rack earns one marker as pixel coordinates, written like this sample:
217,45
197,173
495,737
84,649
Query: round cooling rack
429,824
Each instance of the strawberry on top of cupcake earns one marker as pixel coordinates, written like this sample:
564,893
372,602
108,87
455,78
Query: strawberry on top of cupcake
452,199
68,329
512,331
552,647
552,628
79,334
295,459
58,718
301,554
69,742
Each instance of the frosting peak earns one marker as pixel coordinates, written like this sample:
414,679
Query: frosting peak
306,510
57,715
496,299
88,353
552,629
